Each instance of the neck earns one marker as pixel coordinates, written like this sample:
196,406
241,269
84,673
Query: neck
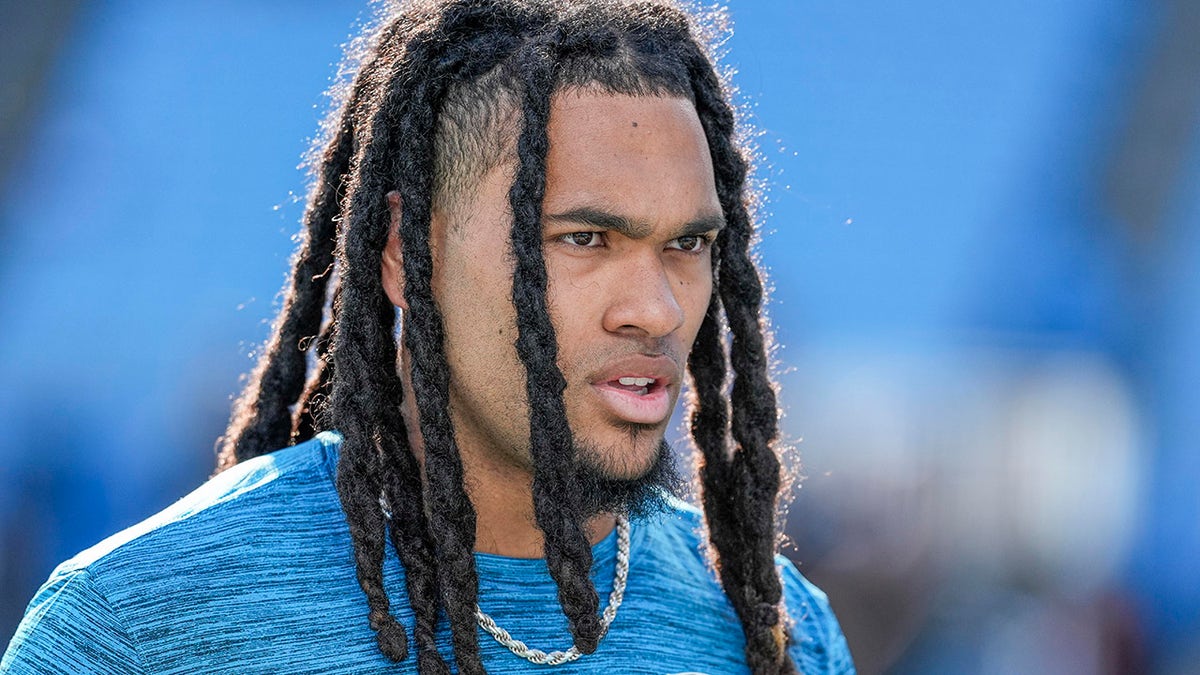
502,494
505,523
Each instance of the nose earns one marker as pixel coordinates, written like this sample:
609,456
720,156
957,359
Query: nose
642,301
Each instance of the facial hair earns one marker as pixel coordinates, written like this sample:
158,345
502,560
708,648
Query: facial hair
644,495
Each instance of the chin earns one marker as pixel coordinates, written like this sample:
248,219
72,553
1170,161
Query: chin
629,458
633,481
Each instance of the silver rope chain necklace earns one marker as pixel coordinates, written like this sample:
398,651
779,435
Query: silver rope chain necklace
556,658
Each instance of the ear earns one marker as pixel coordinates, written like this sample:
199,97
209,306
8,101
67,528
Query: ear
393,260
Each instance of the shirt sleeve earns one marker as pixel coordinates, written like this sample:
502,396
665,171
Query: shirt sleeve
70,627
818,645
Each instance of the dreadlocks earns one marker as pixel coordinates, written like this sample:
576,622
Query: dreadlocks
443,89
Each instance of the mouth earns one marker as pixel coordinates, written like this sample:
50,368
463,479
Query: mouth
638,389
636,385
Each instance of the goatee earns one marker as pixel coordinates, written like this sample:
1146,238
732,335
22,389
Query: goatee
643,495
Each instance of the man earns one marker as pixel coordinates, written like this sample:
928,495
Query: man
551,198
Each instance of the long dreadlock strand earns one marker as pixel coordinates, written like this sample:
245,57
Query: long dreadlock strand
555,497
710,412
450,511
361,338
357,480
400,476
744,530
358,474
411,539
262,420
310,412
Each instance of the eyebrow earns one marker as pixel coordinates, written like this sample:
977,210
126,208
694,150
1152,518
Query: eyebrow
603,220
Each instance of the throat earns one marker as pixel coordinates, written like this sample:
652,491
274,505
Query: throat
524,540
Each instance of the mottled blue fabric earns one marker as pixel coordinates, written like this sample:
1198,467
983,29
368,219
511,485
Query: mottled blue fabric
253,573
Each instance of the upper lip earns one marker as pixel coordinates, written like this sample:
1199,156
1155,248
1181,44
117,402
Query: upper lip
662,368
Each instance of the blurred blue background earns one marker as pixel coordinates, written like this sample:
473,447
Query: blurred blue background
983,237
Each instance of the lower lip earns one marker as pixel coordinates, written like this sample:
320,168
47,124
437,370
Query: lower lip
649,408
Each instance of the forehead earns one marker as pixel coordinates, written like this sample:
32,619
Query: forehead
646,155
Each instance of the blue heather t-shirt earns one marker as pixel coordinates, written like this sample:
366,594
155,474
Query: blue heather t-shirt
254,573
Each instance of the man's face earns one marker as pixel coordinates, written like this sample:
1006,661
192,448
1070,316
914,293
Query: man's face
629,211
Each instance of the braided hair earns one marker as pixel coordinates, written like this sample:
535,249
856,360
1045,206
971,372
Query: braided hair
442,89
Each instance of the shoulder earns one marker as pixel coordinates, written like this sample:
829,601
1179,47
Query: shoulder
677,538
225,510
71,627
273,512
818,645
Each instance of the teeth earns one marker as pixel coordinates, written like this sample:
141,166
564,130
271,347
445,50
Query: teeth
636,381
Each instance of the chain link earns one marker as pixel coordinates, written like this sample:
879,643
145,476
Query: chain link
557,658
615,599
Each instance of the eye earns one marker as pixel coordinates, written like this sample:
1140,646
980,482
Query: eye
692,243
582,239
